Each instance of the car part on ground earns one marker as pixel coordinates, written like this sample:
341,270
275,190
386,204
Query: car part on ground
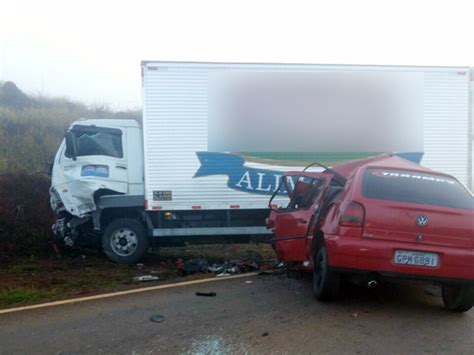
157,318
206,294
226,268
145,278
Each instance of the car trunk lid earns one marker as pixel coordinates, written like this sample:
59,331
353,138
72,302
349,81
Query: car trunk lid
420,224
417,207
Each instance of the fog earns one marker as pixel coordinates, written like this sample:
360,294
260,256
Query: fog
91,51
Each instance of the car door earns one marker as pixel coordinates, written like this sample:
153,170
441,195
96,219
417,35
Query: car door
291,223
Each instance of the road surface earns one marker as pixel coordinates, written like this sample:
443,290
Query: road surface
261,314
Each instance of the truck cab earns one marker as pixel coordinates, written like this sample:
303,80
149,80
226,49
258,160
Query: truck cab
96,158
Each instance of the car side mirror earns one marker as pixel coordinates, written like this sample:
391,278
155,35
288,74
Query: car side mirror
71,145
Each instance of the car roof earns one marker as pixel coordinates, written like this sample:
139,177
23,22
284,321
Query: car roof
385,161
315,175
395,162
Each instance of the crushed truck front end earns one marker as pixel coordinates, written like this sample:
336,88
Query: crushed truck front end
91,162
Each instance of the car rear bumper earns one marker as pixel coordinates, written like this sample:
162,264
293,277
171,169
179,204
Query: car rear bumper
370,255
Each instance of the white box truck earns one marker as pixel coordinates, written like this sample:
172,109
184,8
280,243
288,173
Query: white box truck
216,137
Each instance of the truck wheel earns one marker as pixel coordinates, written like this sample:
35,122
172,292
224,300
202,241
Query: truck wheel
458,298
326,283
125,241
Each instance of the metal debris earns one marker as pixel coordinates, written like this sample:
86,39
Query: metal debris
145,278
206,294
157,318
227,268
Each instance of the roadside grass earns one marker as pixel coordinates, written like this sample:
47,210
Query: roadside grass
36,280
217,253
23,295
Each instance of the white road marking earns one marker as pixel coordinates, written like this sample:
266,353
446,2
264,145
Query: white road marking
122,293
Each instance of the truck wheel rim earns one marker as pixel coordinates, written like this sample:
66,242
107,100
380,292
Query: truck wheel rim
124,242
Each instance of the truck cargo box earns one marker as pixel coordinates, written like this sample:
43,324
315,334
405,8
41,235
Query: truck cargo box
219,135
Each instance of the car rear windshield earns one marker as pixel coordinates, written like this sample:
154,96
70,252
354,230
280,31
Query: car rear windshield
412,187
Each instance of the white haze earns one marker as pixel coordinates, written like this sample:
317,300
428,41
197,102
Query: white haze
91,50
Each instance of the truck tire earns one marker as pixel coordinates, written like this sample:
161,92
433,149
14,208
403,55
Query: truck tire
458,298
125,241
326,283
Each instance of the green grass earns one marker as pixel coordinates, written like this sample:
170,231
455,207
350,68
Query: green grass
24,295
25,268
219,252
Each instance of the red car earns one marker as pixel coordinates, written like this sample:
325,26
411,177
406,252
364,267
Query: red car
377,218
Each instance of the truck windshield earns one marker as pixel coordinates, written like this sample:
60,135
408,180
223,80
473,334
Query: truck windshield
99,142
412,187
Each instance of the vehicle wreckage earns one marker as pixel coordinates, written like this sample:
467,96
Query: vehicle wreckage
371,219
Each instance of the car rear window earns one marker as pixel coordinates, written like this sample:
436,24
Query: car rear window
412,187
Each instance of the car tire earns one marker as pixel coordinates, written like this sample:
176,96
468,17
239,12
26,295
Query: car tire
326,283
458,298
125,241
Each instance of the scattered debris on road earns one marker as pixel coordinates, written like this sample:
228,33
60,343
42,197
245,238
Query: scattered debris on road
192,266
157,318
145,278
206,294
35,279
227,268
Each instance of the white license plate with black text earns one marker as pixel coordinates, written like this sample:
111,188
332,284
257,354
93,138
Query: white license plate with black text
404,257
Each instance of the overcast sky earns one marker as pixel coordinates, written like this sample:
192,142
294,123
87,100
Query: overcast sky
91,50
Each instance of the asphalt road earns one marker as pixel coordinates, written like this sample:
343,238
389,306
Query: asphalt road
270,314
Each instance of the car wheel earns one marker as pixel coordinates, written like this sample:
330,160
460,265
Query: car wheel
458,298
125,241
326,283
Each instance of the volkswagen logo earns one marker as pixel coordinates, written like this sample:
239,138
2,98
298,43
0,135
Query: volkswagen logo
422,220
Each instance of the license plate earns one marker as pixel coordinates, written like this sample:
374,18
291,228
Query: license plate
403,257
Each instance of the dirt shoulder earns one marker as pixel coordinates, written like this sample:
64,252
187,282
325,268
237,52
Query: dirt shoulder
35,280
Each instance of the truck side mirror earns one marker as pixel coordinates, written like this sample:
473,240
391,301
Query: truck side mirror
71,145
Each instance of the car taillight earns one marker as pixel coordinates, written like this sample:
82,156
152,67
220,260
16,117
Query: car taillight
353,215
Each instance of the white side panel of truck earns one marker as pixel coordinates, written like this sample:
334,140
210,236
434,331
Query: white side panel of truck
446,122
218,135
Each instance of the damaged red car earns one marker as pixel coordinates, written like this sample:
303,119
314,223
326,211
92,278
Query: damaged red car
377,218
